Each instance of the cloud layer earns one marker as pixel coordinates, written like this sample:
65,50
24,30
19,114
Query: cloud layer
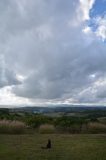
45,55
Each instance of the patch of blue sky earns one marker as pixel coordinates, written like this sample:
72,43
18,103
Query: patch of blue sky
91,23
99,8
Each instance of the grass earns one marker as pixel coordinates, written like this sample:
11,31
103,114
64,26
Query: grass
11,127
97,128
46,129
65,147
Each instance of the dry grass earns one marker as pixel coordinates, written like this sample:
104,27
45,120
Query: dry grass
12,127
46,129
97,128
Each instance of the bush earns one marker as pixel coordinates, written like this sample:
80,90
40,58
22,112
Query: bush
12,127
96,128
35,121
46,129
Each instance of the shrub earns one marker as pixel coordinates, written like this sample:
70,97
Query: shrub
35,121
46,129
96,128
12,127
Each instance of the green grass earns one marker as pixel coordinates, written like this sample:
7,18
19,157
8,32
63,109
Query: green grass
65,147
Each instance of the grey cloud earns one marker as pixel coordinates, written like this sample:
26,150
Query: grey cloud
102,93
8,78
54,56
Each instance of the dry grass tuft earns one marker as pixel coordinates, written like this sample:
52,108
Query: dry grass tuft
46,129
12,127
97,128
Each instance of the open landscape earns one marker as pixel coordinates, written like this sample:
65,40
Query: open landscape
52,79
75,133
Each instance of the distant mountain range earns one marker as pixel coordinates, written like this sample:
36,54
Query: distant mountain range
50,109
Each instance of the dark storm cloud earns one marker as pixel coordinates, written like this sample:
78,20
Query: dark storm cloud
43,42
8,78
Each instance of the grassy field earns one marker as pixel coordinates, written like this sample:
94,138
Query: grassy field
65,147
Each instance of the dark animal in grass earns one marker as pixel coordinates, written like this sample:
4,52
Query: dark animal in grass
48,146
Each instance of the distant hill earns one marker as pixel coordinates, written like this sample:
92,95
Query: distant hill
50,109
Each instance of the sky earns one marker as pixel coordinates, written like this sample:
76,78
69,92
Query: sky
52,52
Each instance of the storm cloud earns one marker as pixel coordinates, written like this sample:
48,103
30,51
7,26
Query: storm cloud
47,54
